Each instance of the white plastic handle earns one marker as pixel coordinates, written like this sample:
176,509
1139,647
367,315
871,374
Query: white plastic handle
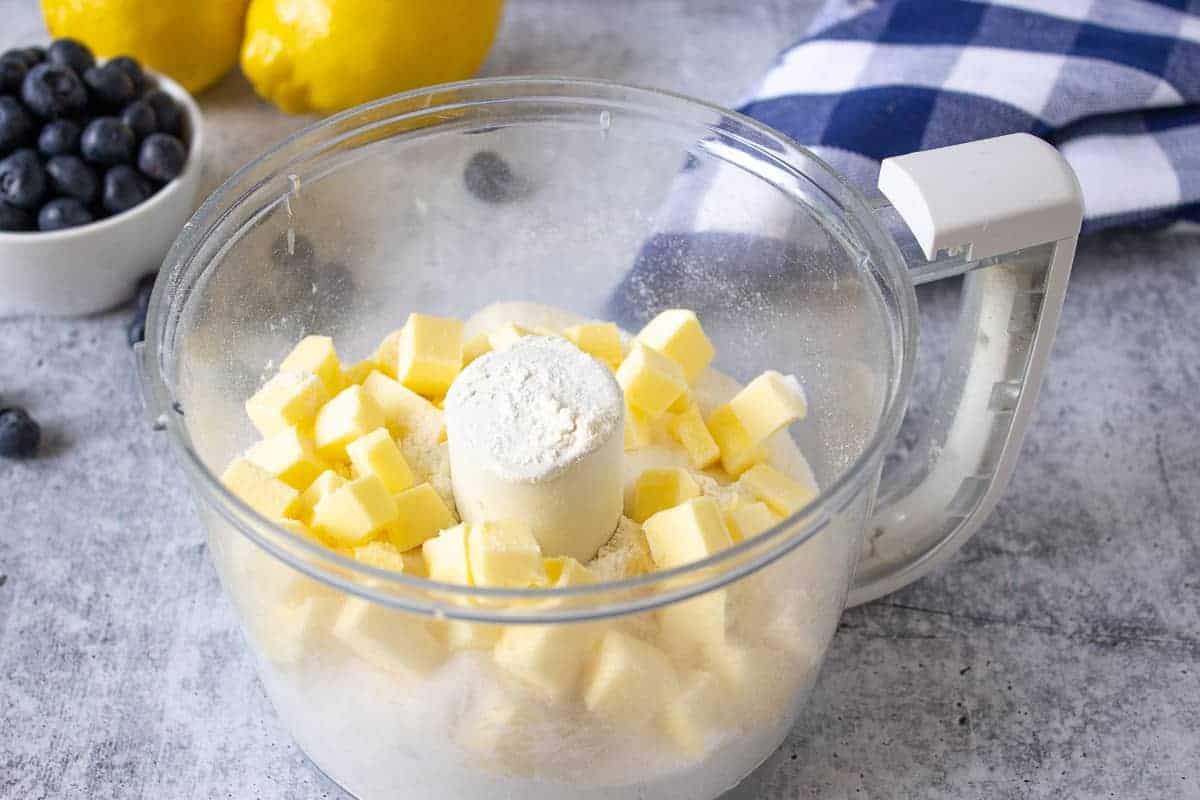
1007,212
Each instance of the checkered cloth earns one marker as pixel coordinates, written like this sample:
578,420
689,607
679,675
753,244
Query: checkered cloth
1114,84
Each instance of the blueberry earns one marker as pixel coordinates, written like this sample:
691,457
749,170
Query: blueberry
14,219
131,68
22,180
34,55
71,53
63,212
70,177
139,116
52,90
124,188
107,141
166,111
58,137
109,87
161,157
19,434
491,179
16,126
12,74
136,332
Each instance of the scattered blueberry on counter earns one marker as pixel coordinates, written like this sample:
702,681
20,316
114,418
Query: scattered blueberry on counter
19,434
80,141
489,178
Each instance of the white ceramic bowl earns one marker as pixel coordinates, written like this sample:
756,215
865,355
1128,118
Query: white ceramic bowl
94,267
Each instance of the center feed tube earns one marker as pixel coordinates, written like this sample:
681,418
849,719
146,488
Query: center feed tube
1006,213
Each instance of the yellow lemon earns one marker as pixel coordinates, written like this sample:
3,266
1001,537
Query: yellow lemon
326,55
194,42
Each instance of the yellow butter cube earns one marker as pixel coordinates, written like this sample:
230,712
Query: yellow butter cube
381,555
446,555
769,403
353,413
639,430
629,680
738,451
429,354
391,640
421,513
650,380
749,520
404,410
288,399
376,454
474,347
755,686
260,490
661,488
547,658
681,404
505,554
325,483
290,456
677,334
387,353
601,340
694,711
686,533
690,431
566,571
358,372
352,514
695,623
507,335
782,494
317,355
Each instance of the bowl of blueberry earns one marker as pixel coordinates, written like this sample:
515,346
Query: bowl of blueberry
99,171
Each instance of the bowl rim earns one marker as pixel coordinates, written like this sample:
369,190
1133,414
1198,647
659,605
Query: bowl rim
530,606
190,168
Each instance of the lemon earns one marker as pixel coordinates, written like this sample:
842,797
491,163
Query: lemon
194,42
326,55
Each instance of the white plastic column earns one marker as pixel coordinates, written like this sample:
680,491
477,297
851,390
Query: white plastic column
1007,212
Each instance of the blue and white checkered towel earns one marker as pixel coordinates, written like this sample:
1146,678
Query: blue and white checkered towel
1114,84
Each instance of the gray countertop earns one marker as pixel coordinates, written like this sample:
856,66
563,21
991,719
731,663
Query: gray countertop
1057,655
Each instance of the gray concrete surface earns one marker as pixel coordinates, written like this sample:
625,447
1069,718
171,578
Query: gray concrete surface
1057,656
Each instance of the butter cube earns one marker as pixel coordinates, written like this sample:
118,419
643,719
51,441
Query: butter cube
260,490
629,680
566,571
769,403
695,623
391,640
352,514
376,454
690,431
462,635
288,399
381,555
505,554
650,380
317,355
639,430
749,520
783,495
325,483
738,451
446,555
601,340
296,626
421,513
660,489
547,658
755,685
290,456
403,410
388,353
358,372
686,533
694,711
429,354
475,347
507,335
345,418
681,404
676,333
